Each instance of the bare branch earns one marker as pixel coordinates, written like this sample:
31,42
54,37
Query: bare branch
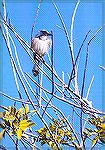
72,48
37,12
65,30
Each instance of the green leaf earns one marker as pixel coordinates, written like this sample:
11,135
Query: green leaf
104,117
86,132
60,132
7,122
52,127
1,114
92,121
19,133
12,110
52,145
68,133
42,131
19,112
2,125
102,137
24,124
26,109
103,126
95,140
2,133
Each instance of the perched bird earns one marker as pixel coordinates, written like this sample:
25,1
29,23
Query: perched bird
40,44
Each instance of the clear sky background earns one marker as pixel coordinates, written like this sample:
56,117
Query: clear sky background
89,16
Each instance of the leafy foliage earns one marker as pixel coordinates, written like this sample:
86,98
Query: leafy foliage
98,132
60,132
15,121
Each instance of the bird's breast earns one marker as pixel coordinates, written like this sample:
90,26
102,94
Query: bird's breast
41,46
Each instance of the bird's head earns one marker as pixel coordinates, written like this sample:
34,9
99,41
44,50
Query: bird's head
45,33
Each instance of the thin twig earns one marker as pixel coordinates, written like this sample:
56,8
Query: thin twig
103,68
89,88
41,90
52,64
47,105
63,84
78,54
10,51
68,102
84,77
11,137
37,12
12,59
72,48
14,99
52,61
65,30
86,60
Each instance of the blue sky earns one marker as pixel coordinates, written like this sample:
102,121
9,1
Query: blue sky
89,16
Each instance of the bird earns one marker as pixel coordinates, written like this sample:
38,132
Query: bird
40,45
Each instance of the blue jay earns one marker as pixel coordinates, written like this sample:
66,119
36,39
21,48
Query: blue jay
40,45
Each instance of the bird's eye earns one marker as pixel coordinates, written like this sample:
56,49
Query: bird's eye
44,32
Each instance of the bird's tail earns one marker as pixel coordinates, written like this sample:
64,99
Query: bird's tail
35,69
